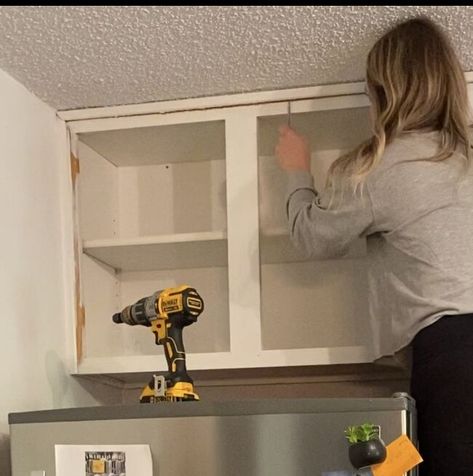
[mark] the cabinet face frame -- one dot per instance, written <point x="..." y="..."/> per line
<point x="114" y="364"/>
<point x="242" y="222"/>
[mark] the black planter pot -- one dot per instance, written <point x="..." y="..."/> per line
<point x="366" y="453"/>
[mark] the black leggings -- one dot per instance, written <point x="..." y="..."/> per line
<point x="442" y="385"/>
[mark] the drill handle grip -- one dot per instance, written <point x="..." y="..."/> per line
<point x="175" y="354"/>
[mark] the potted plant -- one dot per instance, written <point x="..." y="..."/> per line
<point x="366" y="447"/>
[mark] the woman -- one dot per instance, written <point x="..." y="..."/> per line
<point x="409" y="190"/>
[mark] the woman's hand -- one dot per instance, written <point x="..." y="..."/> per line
<point x="292" y="150"/>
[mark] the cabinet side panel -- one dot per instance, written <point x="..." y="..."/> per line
<point x="100" y="290"/>
<point x="98" y="204"/>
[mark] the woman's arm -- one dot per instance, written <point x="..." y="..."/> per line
<point x="316" y="229"/>
<point x="322" y="232"/>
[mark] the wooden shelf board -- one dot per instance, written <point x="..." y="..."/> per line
<point x="180" y="251"/>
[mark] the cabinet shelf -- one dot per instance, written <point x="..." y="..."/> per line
<point x="130" y="364"/>
<point x="179" y="251"/>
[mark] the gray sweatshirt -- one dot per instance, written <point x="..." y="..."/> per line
<point x="417" y="216"/>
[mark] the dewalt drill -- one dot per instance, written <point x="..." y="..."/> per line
<point x="167" y="312"/>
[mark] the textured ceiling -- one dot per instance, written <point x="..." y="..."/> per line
<point x="75" y="57"/>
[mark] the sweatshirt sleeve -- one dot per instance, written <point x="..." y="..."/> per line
<point x="323" y="232"/>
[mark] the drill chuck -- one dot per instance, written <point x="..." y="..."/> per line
<point x="141" y="313"/>
<point x="117" y="318"/>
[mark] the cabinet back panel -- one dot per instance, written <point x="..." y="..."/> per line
<point x="172" y="198"/>
<point x="308" y="304"/>
<point x="272" y="181"/>
<point x="105" y="293"/>
<point x="211" y="332"/>
<point x="328" y="129"/>
<point x="314" y="304"/>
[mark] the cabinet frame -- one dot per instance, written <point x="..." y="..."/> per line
<point x="240" y="113"/>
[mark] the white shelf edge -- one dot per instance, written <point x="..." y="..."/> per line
<point x="155" y="239"/>
<point x="229" y="360"/>
<point x="165" y="252"/>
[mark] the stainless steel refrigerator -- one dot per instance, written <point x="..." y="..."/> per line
<point x="284" y="437"/>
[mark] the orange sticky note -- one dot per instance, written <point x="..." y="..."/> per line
<point x="401" y="456"/>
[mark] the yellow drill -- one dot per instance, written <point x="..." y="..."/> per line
<point x="167" y="312"/>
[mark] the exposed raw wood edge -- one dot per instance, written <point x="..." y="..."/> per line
<point x="80" y="311"/>
<point x="211" y="102"/>
<point x="80" y="325"/>
<point x="75" y="168"/>
<point x="219" y="101"/>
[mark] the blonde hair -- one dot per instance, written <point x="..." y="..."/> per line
<point x="415" y="82"/>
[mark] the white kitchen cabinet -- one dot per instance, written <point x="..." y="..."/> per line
<point x="311" y="304"/>
<point x="196" y="197"/>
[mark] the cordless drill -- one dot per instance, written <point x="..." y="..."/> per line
<point x="167" y="312"/>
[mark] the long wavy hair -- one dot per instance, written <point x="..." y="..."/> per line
<point x="415" y="82"/>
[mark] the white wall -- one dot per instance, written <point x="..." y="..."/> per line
<point x="35" y="338"/>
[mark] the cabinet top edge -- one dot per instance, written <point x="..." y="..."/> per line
<point x="219" y="101"/>
<point x="210" y="102"/>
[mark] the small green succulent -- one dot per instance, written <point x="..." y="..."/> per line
<point x="365" y="432"/>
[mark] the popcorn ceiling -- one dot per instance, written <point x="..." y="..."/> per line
<point x="76" y="57"/>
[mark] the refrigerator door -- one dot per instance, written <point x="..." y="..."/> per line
<point x="285" y="437"/>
